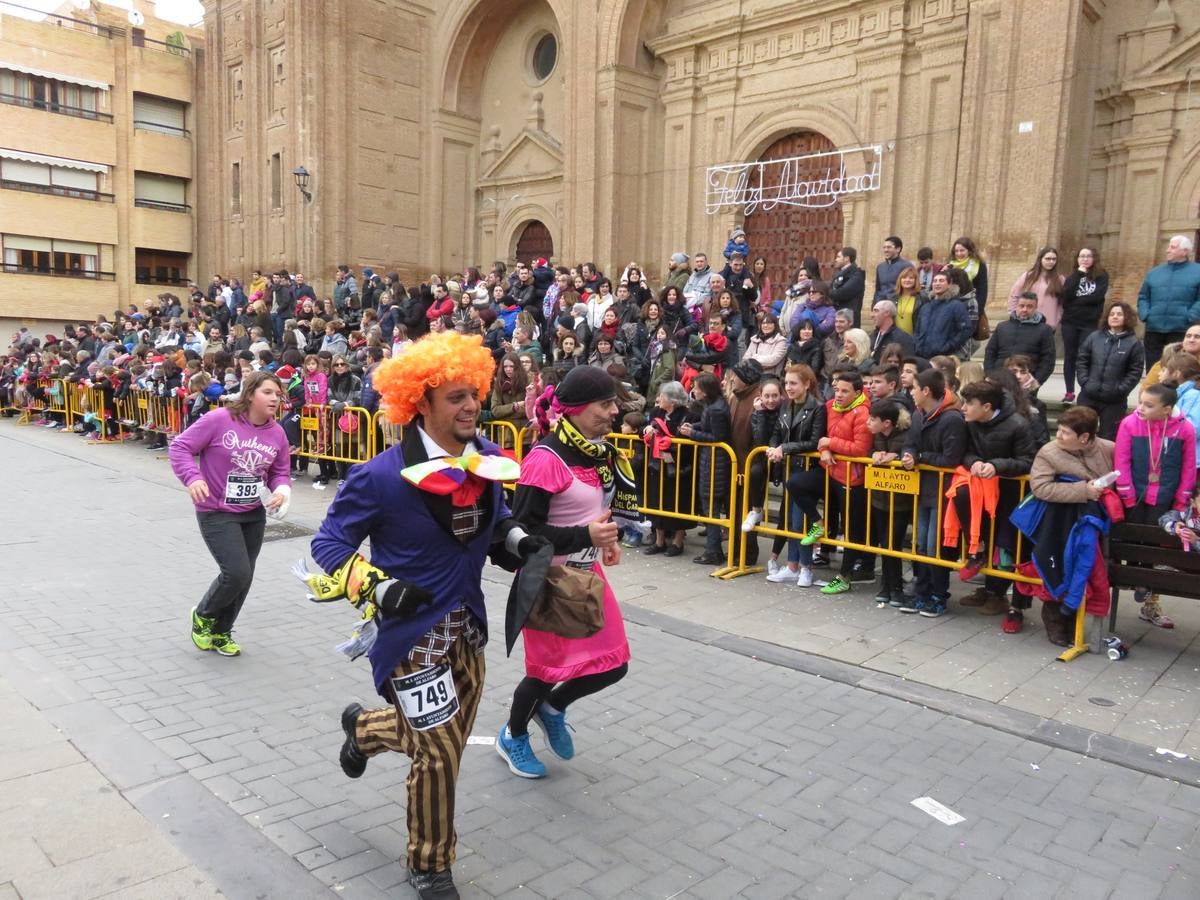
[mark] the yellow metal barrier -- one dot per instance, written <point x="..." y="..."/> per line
<point x="672" y="489"/>
<point x="345" y="436"/>
<point x="505" y="435"/>
<point x="32" y="399"/>
<point x="883" y="479"/>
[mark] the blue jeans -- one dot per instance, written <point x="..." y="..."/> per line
<point x="797" y="552"/>
<point x="932" y="581"/>
<point x="277" y="324"/>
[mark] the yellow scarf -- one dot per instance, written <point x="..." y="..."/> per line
<point x="854" y="404"/>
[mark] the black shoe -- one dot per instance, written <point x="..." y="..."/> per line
<point x="433" y="885"/>
<point x="654" y="549"/>
<point x="352" y="760"/>
<point x="883" y="598"/>
<point x="674" y="550"/>
<point x="861" y="576"/>
<point x="709" y="559"/>
<point x="820" y="561"/>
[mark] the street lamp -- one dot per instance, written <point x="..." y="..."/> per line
<point x="301" y="175"/>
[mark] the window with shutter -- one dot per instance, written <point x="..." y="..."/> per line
<point x="159" y="114"/>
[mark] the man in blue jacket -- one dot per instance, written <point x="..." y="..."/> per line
<point x="1169" y="300"/>
<point x="942" y="323"/>
<point x="431" y="528"/>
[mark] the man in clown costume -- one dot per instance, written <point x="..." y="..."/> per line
<point x="433" y="509"/>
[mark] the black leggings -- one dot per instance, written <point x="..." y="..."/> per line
<point x="532" y="692"/>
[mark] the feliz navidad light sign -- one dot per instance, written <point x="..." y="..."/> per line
<point x="812" y="181"/>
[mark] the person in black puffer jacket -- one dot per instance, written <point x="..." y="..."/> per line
<point x="999" y="445"/>
<point x="715" y="426"/>
<point x="1110" y="365"/>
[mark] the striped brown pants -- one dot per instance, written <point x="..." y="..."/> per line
<point x="435" y="756"/>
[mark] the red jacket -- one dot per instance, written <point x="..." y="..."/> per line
<point x="848" y="436"/>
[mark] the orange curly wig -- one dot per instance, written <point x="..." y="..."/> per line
<point x="434" y="360"/>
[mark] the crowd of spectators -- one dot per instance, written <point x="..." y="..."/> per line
<point x="714" y="354"/>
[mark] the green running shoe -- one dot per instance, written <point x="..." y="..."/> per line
<point x="202" y="631"/>
<point x="816" y="531"/>
<point x="838" y="585"/>
<point x="225" y="645"/>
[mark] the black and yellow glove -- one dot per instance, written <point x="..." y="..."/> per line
<point x="354" y="580"/>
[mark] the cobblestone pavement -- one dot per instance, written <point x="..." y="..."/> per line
<point x="706" y="773"/>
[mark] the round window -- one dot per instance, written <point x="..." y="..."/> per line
<point x="545" y="55"/>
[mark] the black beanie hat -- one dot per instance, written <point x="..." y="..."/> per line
<point x="584" y="385"/>
<point x="749" y="370"/>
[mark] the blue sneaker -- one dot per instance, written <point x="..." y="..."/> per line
<point x="933" y="608"/>
<point x="558" y="735"/>
<point x="519" y="755"/>
<point x="913" y="605"/>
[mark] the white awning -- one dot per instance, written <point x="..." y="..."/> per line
<point x="56" y="76"/>
<point x="59" y="161"/>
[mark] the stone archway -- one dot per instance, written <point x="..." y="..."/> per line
<point x="533" y="240"/>
<point x="785" y="235"/>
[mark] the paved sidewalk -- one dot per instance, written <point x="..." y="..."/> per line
<point x="706" y="773"/>
<point x="67" y="831"/>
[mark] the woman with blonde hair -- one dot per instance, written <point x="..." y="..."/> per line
<point x="908" y="293"/>
<point x="856" y="350"/>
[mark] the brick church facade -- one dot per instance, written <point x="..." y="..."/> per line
<point x="445" y="134"/>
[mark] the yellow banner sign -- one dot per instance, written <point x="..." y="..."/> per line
<point x="892" y="481"/>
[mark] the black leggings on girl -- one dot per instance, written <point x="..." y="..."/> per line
<point x="532" y="692"/>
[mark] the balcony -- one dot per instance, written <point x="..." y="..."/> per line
<point x="56" y="190"/>
<point x="166" y="154"/>
<point x="69" y="299"/>
<point x="161" y="225"/>
<point x="61" y="109"/>
<point x="70" y="218"/>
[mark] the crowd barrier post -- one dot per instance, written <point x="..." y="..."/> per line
<point x="32" y="404"/>
<point x="1079" y="644"/>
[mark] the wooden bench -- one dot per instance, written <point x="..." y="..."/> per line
<point x="1132" y="552"/>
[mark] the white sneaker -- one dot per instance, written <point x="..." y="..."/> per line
<point x="754" y="517"/>
<point x="645" y="529"/>
<point x="772" y="566"/>
<point x="806" y="577"/>
<point x="782" y="576"/>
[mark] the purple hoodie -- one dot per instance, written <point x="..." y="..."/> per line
<point x="234" y="457"/>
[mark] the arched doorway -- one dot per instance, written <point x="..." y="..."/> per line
<point x="534" y="241"/>
<point x="787" y="234"/>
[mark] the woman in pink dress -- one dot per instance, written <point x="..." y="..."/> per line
<point x="570" y="482"/>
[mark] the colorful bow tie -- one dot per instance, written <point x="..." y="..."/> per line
<point x="447" y="474"/>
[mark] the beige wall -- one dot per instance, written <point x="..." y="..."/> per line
<point x="430" y="145"/>
<point x="119" y="227"/>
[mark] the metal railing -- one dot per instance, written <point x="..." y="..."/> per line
<point x="140" y="40"/>
<point x="160" y="128"/>
<point x="56" y="190"/>
<point x="19" y="269"/>
<point x="55" y="107"/>
<point x="163" y="205"/>
<point x="49" y="18"/>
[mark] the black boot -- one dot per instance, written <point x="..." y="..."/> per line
<point x="433" y="885"/>
<point x="351" y="758"/>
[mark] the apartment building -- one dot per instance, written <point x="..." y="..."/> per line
<point x="97" y="161"/>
